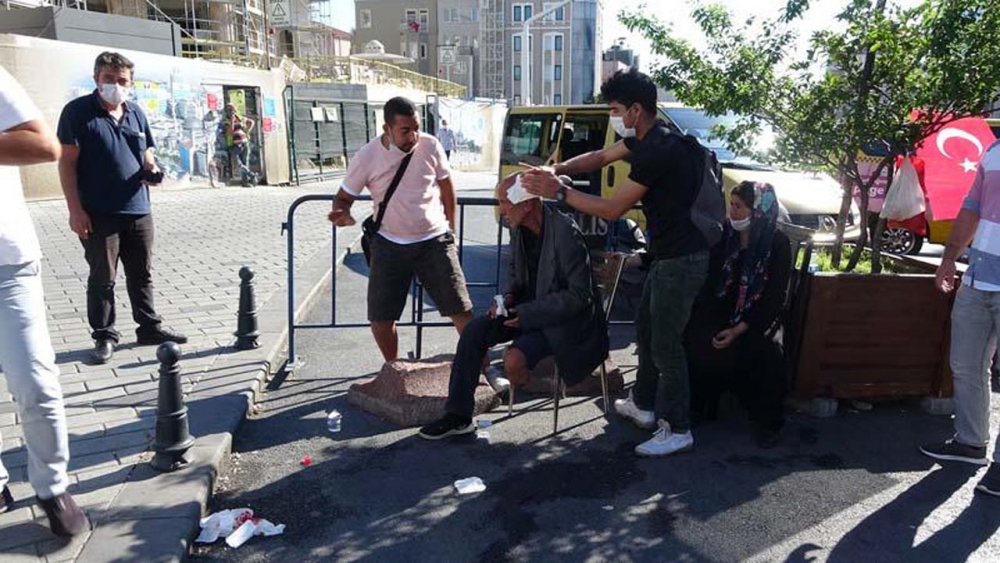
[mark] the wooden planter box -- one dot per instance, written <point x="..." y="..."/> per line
<point x="870" y="336"/>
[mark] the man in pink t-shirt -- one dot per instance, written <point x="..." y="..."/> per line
<point x="415" y="236"/>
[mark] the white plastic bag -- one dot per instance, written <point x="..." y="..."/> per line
<point x="905" y="199"/>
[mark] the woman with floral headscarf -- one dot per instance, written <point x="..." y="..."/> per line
<point x="733" y="340"/>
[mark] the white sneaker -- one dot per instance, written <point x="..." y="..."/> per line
<point x="628" y="409"/>
<point x="664" y="442"/>
<point x="494" y="376"/>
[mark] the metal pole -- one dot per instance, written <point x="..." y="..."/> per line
<point x="333" y="278"/>
<point x="343" y="130"/>
<point x="461" y="232"/>
<point x="499" y="244"/>
<point x="290" y="225"/>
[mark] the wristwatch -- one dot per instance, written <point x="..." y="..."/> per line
<point x="561" y="193"/>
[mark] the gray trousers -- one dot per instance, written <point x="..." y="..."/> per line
<point x="29" y="365"/>
<point x="975" y="321"/>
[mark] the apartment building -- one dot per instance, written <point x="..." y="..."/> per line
<point x="458" y="42"/>
<point x="563" y="51"/>
<point x="406" y="27"/>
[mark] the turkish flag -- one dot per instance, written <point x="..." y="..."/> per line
<point x="950" y="157"/>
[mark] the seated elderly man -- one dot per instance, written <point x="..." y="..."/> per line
<point x="551" y="308"/>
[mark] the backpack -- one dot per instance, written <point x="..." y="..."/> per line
<point x="708" y="212"/>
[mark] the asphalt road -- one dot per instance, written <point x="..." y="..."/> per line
<point x="848" y="488"/>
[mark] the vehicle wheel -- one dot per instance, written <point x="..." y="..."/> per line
<point x="901" y="241"/>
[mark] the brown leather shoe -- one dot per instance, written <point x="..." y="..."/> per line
<point x="65" y="517"/>
<point x="6" y="499"/>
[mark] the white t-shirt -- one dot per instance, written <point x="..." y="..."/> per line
<point x="18" y="243"/>
<point x="415" y="212"/>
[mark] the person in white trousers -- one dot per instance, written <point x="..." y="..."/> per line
<point x="27" y="359"/>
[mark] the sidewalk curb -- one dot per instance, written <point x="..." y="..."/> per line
<point x="155" y="516"/>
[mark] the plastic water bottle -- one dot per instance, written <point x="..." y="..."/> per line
<point x="333" y="422"/>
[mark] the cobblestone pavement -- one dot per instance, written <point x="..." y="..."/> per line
<point x="203" y="237"/>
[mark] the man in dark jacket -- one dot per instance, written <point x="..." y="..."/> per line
<point x="551" y="308"/>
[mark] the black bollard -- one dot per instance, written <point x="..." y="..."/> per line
<point x="246" y="320"/>
<point x="173" y="436"/>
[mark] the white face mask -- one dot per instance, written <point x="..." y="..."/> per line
<point x="740" y="224"/>
<point x="113" y="93"/>
<point x="398" y="151"/>
<point x="618" y="124"/>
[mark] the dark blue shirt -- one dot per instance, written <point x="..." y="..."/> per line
<point x="111" y="155"/>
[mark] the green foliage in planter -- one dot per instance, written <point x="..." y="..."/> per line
<point x="823" y="257"/>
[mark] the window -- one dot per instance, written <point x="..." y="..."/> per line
<point x="366" y="19"/>
<point x="558" y="72"/>
<point x="559" y="42"/>
<point x="517" y="13"/>
<point x="527" y="11"/>
<point x="446" y="16"/>
<point x="517" y="72"/>
<point x="557" y="100"/>
<point x="475" y="14"/>
<point x="411" y="16"/>
<point x="414" y="51"/>
<point x="517" y="100"/>
<point x="424" y="17"/>
<point x="423" y="50"/>
<point x="558" y="15"/>
<point x="517" y="43"/>
<point x="529" y="138"/>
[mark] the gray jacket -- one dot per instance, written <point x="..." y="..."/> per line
<point x="567" y="306"/>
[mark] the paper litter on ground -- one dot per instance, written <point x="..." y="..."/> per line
<point x="470" y="485"/>
<point x="237" y="526"/>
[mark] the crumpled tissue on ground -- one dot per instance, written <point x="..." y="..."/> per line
<point x="237" y="526"/>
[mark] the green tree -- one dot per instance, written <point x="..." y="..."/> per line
<point x="888" y="76"/>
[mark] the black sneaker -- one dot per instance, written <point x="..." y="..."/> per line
<point x="159" y="336"/>
<point x="65" y="517"/>
<point x="950" y="450"/>
<point x="450" y="425"/>
<point x="990" y="483"/>
<point x="6" y="499"/>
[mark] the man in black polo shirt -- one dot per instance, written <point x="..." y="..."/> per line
<point x="106" y="167"/>
<point x="666" y="176"/>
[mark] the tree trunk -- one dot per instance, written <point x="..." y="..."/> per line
<point x="877" y="242"/>
<point x="863" y="241"/>
<point x="877" y="248"/>
<point x="845" y="208"/>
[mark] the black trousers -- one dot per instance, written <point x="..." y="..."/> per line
<point x="128" y="238"/>
<point x="481" y="334"/>
<point x="753" y="368"/>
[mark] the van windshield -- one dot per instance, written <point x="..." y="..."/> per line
<point x="699" y="124"/>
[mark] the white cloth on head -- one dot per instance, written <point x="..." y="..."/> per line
<point x="517" y="194"/>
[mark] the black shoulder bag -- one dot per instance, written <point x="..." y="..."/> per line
<point x="371" y="225"/>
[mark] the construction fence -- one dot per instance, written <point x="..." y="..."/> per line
<point x="325" y="133"/>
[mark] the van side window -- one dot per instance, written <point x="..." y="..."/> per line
<point x="529" y="138"/>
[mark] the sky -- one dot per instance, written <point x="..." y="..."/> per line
<point x="677" y="12"/>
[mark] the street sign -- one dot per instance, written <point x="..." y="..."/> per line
<point x="446" y="54"/>
<point x="280" y="15"/>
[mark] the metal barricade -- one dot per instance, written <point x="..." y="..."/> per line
<point x="416" y="291"/>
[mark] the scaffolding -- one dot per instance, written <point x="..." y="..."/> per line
<point x="491" y="57"/>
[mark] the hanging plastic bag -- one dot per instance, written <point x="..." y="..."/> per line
<point x="905" y="199"/>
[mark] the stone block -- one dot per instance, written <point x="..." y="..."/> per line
<point x="541" y="381"/>
<point x="414" y="393"/>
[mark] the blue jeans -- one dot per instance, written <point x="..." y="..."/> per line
<point x="975" y="321"/>
<point x="661" y="383"/>
<point x="29" y="365"/>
